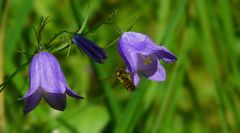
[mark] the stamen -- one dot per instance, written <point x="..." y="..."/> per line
<point x="147" y="61"/>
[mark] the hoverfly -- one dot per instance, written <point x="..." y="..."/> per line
<point x="124" y="78"/>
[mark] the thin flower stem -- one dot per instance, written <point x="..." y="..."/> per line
<point x="106" y="21"/>
<point x="109" y="45"/>
<point x="38" y="33"/>
<point x="60" y="48"/>
<point x="69" y="49"/>
<point x="84" y="22"/>
<point x="55" y="36"/>
<point x="4" y="84"/>
<point x="24" y="52"/>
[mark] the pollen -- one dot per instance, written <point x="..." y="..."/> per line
<point x="147" y="61"/>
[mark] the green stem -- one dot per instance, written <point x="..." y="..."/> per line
<point x="55" y="36"/>
<point x="129" y="114"/>
<point x="111" y="100"/>
<point x="4" y="84"/>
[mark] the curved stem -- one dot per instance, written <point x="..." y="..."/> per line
<point x="55" y="36"/>
<point x="60" y="48"/>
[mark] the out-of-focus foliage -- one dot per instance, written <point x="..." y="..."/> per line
<point x="202" y="89"/>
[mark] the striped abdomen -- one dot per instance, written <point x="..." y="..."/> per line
<point x="124" y="77"/>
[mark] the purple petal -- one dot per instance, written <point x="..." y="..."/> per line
<point x="31" y="101"/>
<point x="141" y="43"/>
<point x="134" y="76"/>
<point x="159" y="75"/>
<point x="68" y="89"/>
<point x="134" y="40"/>
<point x="164" y="54"/>
<point x="130" y="57"/>
<point x="73" y="94"/>
<point x="136" y="79"/>
<point x="55" y="100"/>
<point x="50" y="74"/>
<point x="125" y="57"/>
<point x="34" y="75"/>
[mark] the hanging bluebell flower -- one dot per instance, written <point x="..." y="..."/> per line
<point x="47" y="81"/>
<point x="96" y="53"/>
<point x="141" y="56"/>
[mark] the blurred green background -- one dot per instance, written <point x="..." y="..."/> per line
<point x="201" y="92"/>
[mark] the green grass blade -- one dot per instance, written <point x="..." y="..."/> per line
<point x="127" y="117"/>
<point x="113" y="105"/>
<point x="211" y="60"/>
<point x="176" y="82"/>
<point x="177" y="17"/>
<point x="228" y="33"/>
<point x="163" y="15"/>
<point x="225" y="34"/>
<point x="172" y="26"/>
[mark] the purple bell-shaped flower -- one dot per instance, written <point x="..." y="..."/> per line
<point x="47" y="81"/>
<point x="142" y="56"/>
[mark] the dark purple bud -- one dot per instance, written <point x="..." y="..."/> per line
<point x="96" y="53"/>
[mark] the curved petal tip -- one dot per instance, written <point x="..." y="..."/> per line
<point x="56" y="101"/>
<point x="31" y="101"/>
<point x="73" y="94"/>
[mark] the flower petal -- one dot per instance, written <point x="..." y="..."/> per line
<point x="160" y="74"/>
<point x="141" y="43"/>
<point x="164" y="54"/>
<point x="126" y="58"/>
<point x="73" y="94"/>
<point x="90" y="48"/>
<point x="31" y="101"/>
<point x="68" y="89"/>
<point x="51" y="73"/>
<point x="34" y="75"/>
<point x="55" y="100"/>
<point x="130" y="57"/>
<point x="136" y="79"/>
<point x="137" y="41"/>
